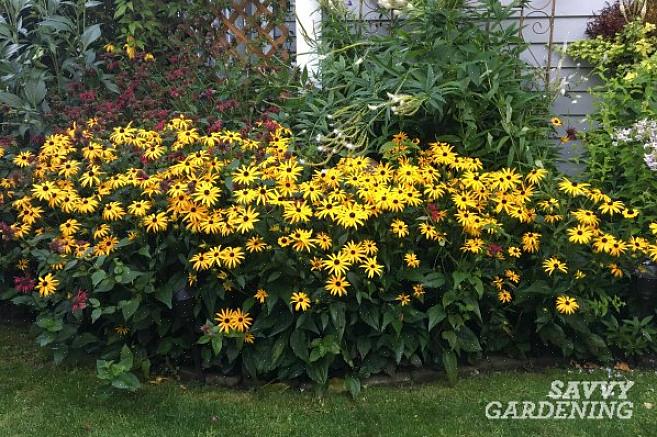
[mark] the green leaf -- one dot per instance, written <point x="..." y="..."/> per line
<point x="128" y="307"/>
<point x="35" y="92"/>
<point x="126" y="381"/>
<point x="352" y="384"/>
<point x="126" y="357"/>
<point x="449" y="363"/>
<point x="11" y="100"/>
<point x="89" y="36"/>
<point x="217" y="344"/>
<point x="337" y="311"/>
<point x="433" y="280"/>
<point x="436" y="315"/>
<point x="98" y="276"/>
<point x="105" y="285"/>
<point x="459" y="277"/>
<point x="467" y="340"/>
<point x="165" y="295"/>
<point x="95" y="314"/>
<point x="299" y="344"/>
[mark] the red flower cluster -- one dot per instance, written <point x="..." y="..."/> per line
<point x="80" y="300"/>
<point x="24" y="284"/>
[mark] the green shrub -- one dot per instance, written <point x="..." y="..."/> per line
<point x="445" y="71"/>
<point x="421" y="258"/>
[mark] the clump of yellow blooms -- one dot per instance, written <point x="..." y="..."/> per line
<point x="241" y="197"/>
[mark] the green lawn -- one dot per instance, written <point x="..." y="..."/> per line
<point x="37" y="399"/>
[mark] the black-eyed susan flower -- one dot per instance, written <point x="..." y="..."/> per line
<point x="261" y="295"/>
<point x="336" y="264"/>
<point x="300" y="301"/>
<point x="504" y="296"/>
<point x="556" y="122"/>
<point x="566" y="305"/>
<point x="106" y="245"/>
<point x="403" y="299"/>
<point x="411" y="259"/>
<point x="573" y="189"/>
<point x="399" y="228"/>
<point x="47" y="285"/>
<point x="157" y="222"/>
<point x="337" y="286"/>
<point x="553" y="264"/>
<point x="580" y="234"/>
<point x="372" y="267"/>
<point x="231" y="257"/>
<point x="531" y="241"/>
<point x="224" y="319"/>
<point x="241" y="321"/>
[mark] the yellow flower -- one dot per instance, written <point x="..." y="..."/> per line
<point x="232" y="257"/>
<point x="106" y="246"/>
<point x="553" y="264"/>
<point x="336" y="264"/>
<point x="297" y="212"/>
<point x="580" y="234"/>
<point x="473" y="245"/>
<point x="241" y="321"/>
<point x="337" y="286"/>
<point x="255" y="245"/>
<point x="611" y="207"/>
<point x="109" y="48"/>
<point x="23" y="159"/>
<point x="411" y="260"/>
<point x="300" y="300"/>
<point x="130" y="50"/>
<point x="630" y="213"/>
<point x="615" y="270"/>
<point x="122" y="330"/>
<point x="512" y="276"/>
<point x="573" y="188"/>
<point x="403" y="299"/>
<point x="113" y="211"/>
<point x="556" y="122"/>
<point x="418" y="291"/>
<point x="224" y="319"/>
<point x="514" y="252"/>
<point x="47" y="285"/>
<point x="604" y="243"/>
<point x="156" y="222"/>
<point x="148" y="57"/>
<point x="586" y="217"/>
<point x="504" y="296"/>
<point x="399" y="228"/>
<point x="567" y="305"/>
<point x="531" y="242"/>
<point x="372" y="267"/>
<point x="69" y="227"/>
<point x="200" y="261"/>
<point x="261" y="295"/>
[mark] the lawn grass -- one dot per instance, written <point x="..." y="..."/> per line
<point x="38" y="399"/>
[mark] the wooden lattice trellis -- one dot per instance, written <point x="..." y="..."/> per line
<point x="253" y="31"/>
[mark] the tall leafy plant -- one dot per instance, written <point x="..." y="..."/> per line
<point x="44" y="47"/>
<point x="444" y="72"/>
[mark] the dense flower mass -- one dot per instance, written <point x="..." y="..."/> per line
<point x="424" y="241"/>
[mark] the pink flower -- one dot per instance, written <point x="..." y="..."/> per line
<point x="79" y="301"/>
<point x="24" y="284"/>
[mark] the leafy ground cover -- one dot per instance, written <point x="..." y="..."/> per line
<point x="37" y="398"/>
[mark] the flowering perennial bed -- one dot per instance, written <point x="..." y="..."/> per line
<point x="415" y="259"/>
